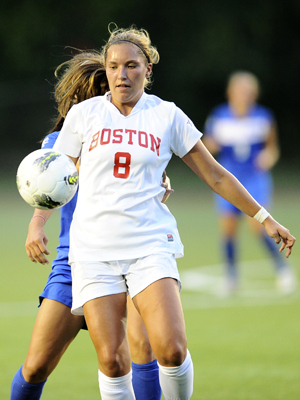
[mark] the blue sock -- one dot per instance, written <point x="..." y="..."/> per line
<point x="273" y="250"/>
<point x="22" y="390"/>
<point x="145" y="380"/>
<point x="230" y="256"/>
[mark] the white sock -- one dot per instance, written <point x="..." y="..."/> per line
<point x="116" y="388"/>
<point x="177" y="382"/>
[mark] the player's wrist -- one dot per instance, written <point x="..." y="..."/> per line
<point x="41" y="217"/>
<point x="261" y="215"/>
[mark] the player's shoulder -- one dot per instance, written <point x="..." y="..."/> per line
<point x="90" y="103"/>
<point x="221" y="111"/>
<point x="49" y="140"/>
<point x="80" y="112"/>
<point x="261" y="111"/>
<point x="154" y="101"/>
<point x="165" y="110"/>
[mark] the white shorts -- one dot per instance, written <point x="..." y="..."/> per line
<point x="91" y="280"/>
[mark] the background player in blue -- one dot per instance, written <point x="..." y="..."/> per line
<point x="56" y="327"/>
<point x="243" y="135"/>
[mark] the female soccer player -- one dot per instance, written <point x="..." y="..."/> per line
<point x="243" y="135"/>
<point x="121" y="237"/>
<point x="56" y="327"/>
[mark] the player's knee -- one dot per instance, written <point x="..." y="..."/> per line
<point x="35" y="372"/>
<point x="138" y="342"/>
<point x="140" y="350"/>
<point x="111" y="363"/>
<point x="172" y="354"/>
<point x="143" y="347"/>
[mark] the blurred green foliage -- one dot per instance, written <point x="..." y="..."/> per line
<point x="200" y="44"/>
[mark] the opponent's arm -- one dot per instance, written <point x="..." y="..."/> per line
<point x="166" y="183"/>
<point x="226" y="185"/>
<point x="269" y="156"/>
<point x="37" y="239"/>
<point x="75" y="161"/>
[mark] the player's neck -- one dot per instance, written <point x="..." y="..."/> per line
<point x="240" y="110"/>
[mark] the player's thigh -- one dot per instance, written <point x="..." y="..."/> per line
<point x="135" y="325"/>
<point x="228" y="223"/>
<point x="105" y="315"/>
<point x="160" y="307"/>
<point x="54" y="330"/>
<point x="106" y="320"/>
<point x="140" y="348"/>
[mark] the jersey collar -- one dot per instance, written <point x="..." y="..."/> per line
<point x="139" y="105"/>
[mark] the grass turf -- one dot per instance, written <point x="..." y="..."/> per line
<point x="243" y="348"/>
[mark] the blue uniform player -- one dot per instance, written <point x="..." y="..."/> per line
<point x="55" y="326"/>
<point x="243" y="135"/>
<point x="59" y="284"/>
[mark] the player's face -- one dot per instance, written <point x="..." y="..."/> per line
<point x="126" y="70"/>
<point x="242" y="91"/>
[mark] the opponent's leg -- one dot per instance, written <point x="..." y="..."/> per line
<point x="54" y="330"/>
<point x="145" y="377"/>
<point x="160" y="307"/>
<point x="22" y="390"/>
<point x="105" y="317"/>
<point x="228" y="226"/>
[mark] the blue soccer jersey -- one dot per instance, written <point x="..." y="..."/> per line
<point x="240" y="140"/>
<point x="59" y="284"/>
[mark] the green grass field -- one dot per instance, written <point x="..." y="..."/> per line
<point x="244" y="348"/>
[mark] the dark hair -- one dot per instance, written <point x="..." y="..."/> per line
<point x="80" y="78"/>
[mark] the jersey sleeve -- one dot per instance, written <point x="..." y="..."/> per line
<point x="69" y="141"/>
<point x="184" y="134"/>
<point x="269" y="115"/>
<point x="49" y="140"/>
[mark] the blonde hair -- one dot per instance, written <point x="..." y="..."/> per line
<point x="82" y="77"/>
<point x="245" y="75"/>
<point x="138" y="37"/>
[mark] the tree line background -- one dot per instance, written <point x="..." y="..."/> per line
<point x="200" y="43"/>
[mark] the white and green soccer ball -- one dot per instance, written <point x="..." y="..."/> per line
<point x="47" y="179"/>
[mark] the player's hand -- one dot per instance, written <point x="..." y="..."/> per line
<point x="265" y="159"/>
<point x="166" y="183"/>
<point x="280" y="233"/>
<point x="36" y="242"/>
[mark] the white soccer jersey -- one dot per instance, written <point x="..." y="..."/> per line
<point x="119" y="214"/>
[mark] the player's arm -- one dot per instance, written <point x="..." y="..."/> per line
<point x="166" y="183"/>
<point x="226" y="185"/>
<point x="269" y="156"/>
<point x="75" y="161"/>
<point x="37" y="239"/>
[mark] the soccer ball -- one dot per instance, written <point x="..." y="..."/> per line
<point x="47" y="179"/>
